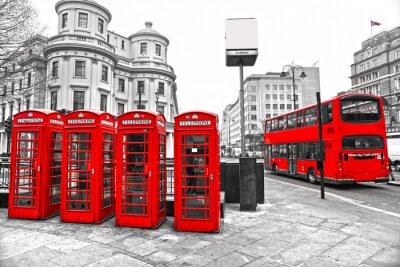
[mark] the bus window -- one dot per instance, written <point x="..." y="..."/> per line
<point x="310" y="150"/>
<point x="292" y="121"/>
<point x="274" y="125"/>
<point x="362" y="142"/>
<point x="360" y="109"/>
<point x="282" y="122"/>
<point x="275" y="151"/>
<point x="268" y="126"/>
<point x="310" y="116"/>
<point x="300" y="149"/>
<point x="300" y="118"/>
<point x="327" y="116"/>
<point x="282" y="151"/>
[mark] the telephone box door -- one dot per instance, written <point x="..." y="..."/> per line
<point x="26" y="171"/>
<point x="136" y="176"/>
<point x="79" y="174"/>
<point x="197" y="187"/>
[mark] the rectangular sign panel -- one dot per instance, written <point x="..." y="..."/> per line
<point x="30" y="120"/>
<point x="194" y="123"/>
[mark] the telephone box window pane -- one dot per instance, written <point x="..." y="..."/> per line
<point x="195" y="184"/>
<point x="55" y="167"/>
<point x="25" y="169"/>
<point x="79" y="174"/>
<point x="108" y="164"/>
<point x="135" y="177"/>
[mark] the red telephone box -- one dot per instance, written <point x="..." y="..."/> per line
<point x="196" y="168"/>
<point x="36" y="164"/>
<point x="141" y="170"/>
<point x="88" y="167"/>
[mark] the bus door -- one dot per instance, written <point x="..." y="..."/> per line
<point x="292" y="156"/>
<point x="267" y="157"/>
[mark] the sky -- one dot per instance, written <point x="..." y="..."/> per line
<point x="305" y="32"/>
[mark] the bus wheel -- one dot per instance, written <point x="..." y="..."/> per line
<point x="311" y="176"/>
<point x="275" y="169"/>
<point x="397" y="166"/>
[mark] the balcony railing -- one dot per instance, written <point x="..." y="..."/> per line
<point x="151" y="65"/>
<point x="73" y="38"/>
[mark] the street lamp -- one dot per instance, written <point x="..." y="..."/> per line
<point x="285" y="72"/>
<point x="157" y="93"/>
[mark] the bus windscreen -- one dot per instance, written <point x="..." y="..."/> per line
<point x="360" y="110"/>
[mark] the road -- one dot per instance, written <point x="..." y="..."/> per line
<point x="382" y="196"/>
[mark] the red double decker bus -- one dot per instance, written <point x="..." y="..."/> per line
<point x="354" y="137"/>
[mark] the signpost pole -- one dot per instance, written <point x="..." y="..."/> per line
<point x="321" y="147"/>
<point x="241" y="93"/>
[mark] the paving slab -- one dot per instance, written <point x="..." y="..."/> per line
<point x="119" y="260"/>
<point x="34" y="257"/>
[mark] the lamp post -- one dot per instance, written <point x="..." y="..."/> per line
<point x="157" y="93"/>
<point x="292" y="68"/>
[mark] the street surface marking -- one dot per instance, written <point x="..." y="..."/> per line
<point x="346" y="199"/>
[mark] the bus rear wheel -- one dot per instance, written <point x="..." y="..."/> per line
<point x="311" y="176"/>
<point x="397" y="166"/>
<point x="275" y="169"/>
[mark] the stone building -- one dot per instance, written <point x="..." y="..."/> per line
<point x="89" y="67"/>
<point x="376" y="70"/>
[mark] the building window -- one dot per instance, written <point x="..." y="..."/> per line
<point x="281" y="87"/>
<point x="121" y="85"/>
<point x="19" y="106"/>
<point x="274" y="96"/>
<point x="268" y="106"/>
<point x="29" y="79"/>
<point x="158" y="50"/>
<point x="267" y="116"/>
<point x="53" y="101"/>
<point x="12" y="88"/>
<point x="251" y="89"/>
<point x="28" y="104"/>
<point x="20" y="84"/>
<point x="101" y="25"/>
<point x="54" y="71"/>
<point x="13" y="67"/>
<point x="274" y="87"/>
<point x="11" y="110"/>
<point x="160" y="109"/>
<point x="121" y="109"/>
<point x="288" y="97"/>
<point x="267" y="87"/>
<point x="82" y="20"/>
<point x="282" y="106"/>
<point x="80" y="68"/>
<point x="143" y="48"/>
<point x="275" y="106"/>
<point x="161" y="89"/>
<point x="64" y="20"/>
<point x="253" y="107"/>
<point x="5" y="90"/>
<point x="253" y="98"/>
<point x="79" y="100"/>
<point x="103" y="102"/>
<point x="140" y="88"/>
<point x="123" y="44"/>
<point x="104" y="73"/>
<point x="253" y="117"/>
<point x="282" y="97"/>
<point x="141" y="106"/>
<point x="288" y="87"/>
<point x="289" y="106"/>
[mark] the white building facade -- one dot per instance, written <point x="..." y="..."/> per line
<point x="89" y="67"/>
<point x="266" y="96"/>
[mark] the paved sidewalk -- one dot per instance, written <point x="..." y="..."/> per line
<point x="295" y="227"/>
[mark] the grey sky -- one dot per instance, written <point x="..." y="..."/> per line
<point x="302" y="31"/>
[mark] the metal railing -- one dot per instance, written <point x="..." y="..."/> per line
<point x="4" y="172"/>
<point x="88" y="40"/>
<point x="170" y="178"/>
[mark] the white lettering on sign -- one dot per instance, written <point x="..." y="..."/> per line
<point x="81" y="121"/>
<point x="161" y="124"/>
<point x="194" y="123"/>
<point x="135" y="122"/>
<point x="109" y="123"/>
<point x="30" y="120"/>
<point x="56" y="122"/>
